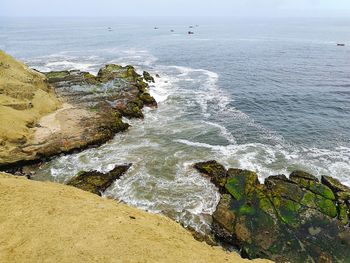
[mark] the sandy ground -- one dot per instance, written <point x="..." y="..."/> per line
<point x="64" y="121"/>
<point x="47" y="222"/>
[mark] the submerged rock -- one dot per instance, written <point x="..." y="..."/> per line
<point x="295" y="219"/>
<point x="97" y="182"/>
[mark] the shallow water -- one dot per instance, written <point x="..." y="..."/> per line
<point x="269" y="95"/>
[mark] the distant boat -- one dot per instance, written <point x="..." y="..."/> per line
<point x="155" y="27"/>
<point x="190" y="32"/>
<point x="172" y="30"/>
<point x="340" y="45"/>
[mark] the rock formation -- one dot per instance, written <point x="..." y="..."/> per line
<point x="96" y="182"/>
<point x="58" y="112"/>
<point x="295" y="219"/>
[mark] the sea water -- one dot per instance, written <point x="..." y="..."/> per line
<point x="269" y="95"/>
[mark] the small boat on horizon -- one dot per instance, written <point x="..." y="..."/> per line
<point x="190" y="32"/>
<point x="155" y="27"/>
<point x="341" y="45"/>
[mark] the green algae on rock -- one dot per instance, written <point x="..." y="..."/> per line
<point x="97" y="182"/>
<point x="295" y="219"/>
<point x="214" y="170"/>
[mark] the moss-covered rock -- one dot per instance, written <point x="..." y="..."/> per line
<point x="119" y="125"/>
<point x="148" y="77"/>
<point x="311" y="183"/>
<point x="147" y="99"/>
<point x="57" y="75"/>
<point x="284" y="219"/>
<point x="334" y="184"/>
<point x="97" y="182"/>
<point x="215" y="171"/>
<point x="130" y="110"/>
<point x="113" y="71"/>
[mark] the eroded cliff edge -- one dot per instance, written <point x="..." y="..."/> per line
<point x="44" y="114"/>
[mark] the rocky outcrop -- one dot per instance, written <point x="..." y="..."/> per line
<point x="115" y="87"/>
<point x="295" y="219"/>
<point x="148" y="77"/>
<point x="89" y="111"/>
<point x="96" y="182"/>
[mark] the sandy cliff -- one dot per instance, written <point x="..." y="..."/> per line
<point x="25" y="97"/>
<point x="50" y="222"/>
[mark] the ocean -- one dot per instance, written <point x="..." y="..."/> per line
<point x="269" y="95"/>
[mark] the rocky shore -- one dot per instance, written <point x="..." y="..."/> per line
<point x="294" y="219"/>
<point x="59" y="112"/>
<point x="51" y="113"/>
<point x="287" y="219"/>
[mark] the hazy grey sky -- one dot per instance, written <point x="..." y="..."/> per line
<point x="174" y="8"/>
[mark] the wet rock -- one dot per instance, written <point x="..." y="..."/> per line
<point x="334" y="184"/>
<point x="97" y="182"/>
<point x="148" y="100"/>
<point x="148" y="77"/>
<point x="215" y="171"/>
<point x="113" y="71"/>
<point x="92" y="111"/>
<point x="295" y="219"/>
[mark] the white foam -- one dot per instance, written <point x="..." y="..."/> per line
<point x="68" y="65"/>
<point x="162" y="147"/>
<point x="223" y="131"/>
<point x="160" y="90"/>
<point x="132" y="56"/>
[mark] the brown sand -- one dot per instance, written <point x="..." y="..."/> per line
<point x="47" y="222"/>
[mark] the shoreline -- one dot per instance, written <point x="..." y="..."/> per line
<point x="117" y="92"/>
<point x="85" y="117"/>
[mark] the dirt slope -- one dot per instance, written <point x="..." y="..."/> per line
<point x="47" y="222"/>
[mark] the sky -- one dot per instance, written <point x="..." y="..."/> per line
<point x="313" y="8"/>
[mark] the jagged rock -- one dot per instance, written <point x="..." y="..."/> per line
<point x="334" y="184"/>
<point x="97" y="182"/>
<point x="96" y="107"/>
<point x="295" y="219"/>
<point x="148" y="100"/>
<point x="148" y="77"/>
<point x="215" y="171"/>
<point x="113" y="71"/>
<point x="87" y="110"/>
